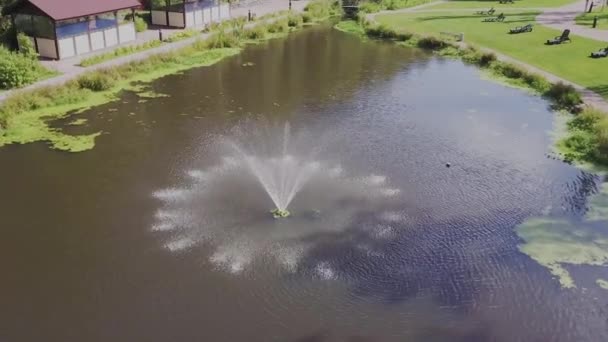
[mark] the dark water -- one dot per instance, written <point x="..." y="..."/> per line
<point x="80" y="261"/>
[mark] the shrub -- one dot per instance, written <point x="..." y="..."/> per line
<point x="256" y="33"/>
<point x="222" y="39"/>
<point x="306" y="17"/>
<point x="381" y="32"/>
<point x="431" y="43"/>
<point x="26" y="46"/>
<point x="278" y="26"/>
<point x="294" y="20"/>
<point x="140" y="24"/>
<point x="404" y="36"/>
<point x="486" y="58"/>
<point x="97" y="81"/>
<point x="511" y="70"/>
<point x="18" y="70"/>
<point x="321" y="9"/>
<point x="564" y="96"/>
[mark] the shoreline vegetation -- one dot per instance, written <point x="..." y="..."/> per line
<point x="26" y="115"/>
<point x="586" y="136"/>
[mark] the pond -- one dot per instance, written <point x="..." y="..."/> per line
<point x="161" y="233"/>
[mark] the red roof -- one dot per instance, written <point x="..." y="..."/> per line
<point x="68" y="9"/>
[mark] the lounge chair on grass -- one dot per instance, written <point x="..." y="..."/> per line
<point x="488" y="12"/>
<point x="501" y="17"/>
<point x="600" y="54"/>
<point x="565" y="37"/>
<point x="521" y="29"/>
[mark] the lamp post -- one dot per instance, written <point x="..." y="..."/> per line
<point x="290" y="5"/>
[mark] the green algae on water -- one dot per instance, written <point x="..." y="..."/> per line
<point x="554" y="243"/>
<point x="77" y="122"/>
<point x="602" y="283"/>
<point x="598" y="205"/>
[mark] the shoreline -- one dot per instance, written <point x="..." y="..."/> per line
<point x="25" y="115"/>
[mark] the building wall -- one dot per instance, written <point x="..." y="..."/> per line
<point x="84" y="43"/>
<point x="46" y="47"/>
<point x="208" y="15"/>
<point x="159" y="18"/>
<point x="176" y="19"/>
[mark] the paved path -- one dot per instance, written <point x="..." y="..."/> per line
<point x="70" y="69"/>
<point x="562" y="18"/>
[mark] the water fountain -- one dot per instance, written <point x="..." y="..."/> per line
<point x="228" y="204"/>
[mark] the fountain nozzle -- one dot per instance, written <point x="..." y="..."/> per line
<point x="278" y="213"/>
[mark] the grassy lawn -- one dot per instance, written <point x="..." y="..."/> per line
<point x="586" y="19"/>
<point x="455" y="4"/>
<point x="569" y="61"/>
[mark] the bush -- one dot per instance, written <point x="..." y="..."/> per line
<point x="306" y="17"/>
<point x="256" y="33"/>
<point x="96" y="81"/>
<point x="431" y="43"/>
<point x="381" y="32"/>
<point x="18" y="70"/>
<point x="511" y="70"/>
<point x="564" y="96"/>
<point x="26" y="46"/>
<point x="140" y="24"/>
<point x="321" y="9"/>
<point x="222" y="39"/>
<point x="294" y="20"/>
<point x="486" y="58"/>
<point x="278" y="26"/>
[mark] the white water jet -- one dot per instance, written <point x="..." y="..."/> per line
<point x="282" y="176"/>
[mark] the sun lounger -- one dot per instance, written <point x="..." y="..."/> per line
<point x="521" y="29"/>
<point x="501" y="17"/>
<point x="600" y="54"/>
<point x="565" y="37"/>
<point x="488" y="12"/>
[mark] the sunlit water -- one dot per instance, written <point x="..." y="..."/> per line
<point x="163" y="232"/>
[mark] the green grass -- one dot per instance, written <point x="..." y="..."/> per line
<point x="586" y="19"/>
<point x="461" y="4"/>
<point x="569" y="61"/>
<point x="382" y="5"/>
<point x="119" y="52"/>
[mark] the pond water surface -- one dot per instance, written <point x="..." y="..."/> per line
<point x="439" y="261"/>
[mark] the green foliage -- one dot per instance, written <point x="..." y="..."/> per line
<point x="26" y="46"/>
<point x="223" y="39"/>
<point x="256" y="33"/>
<point x="587" y="138"/>
<point x="306" y="18"/>
<point x="381" y="32"/>
<point x="564" y="96"/>
<point x="278" y="26"/>
<point x="140" y="24"/>
<point x="432" y="43"/>
<point x="18" y="70"/>
<point x="185" y="34"/>
<point x="121" y="51"/>
<point x="294" y="20"/>
<point x="323" y="9"/>
<point x="374" y="6"/>
<point x="96" y="81"/>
